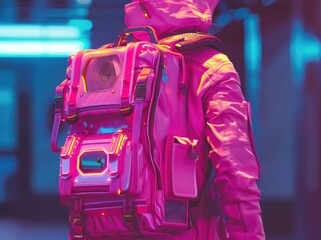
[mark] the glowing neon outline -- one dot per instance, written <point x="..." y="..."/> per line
<point x="120" y="142"/>
<point x="93" y="150"/>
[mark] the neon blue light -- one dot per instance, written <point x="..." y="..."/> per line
<point x="108" y="130"/>
<point x="31" y="40"/>
<point x="83" y="24"/>
<point x="8" y="105"/>
<point x="39" y="31"/>
<point x="252" y="54"/>
<point x="7" y="96"/>
<point x="304" y="47"/>
<point x="41" y="48"/>
<point x="253" y="60"/>
<point x="242" y="13"/>
<point x="223" y="20"/>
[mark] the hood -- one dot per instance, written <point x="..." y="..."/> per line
<point x="170" y="17"/>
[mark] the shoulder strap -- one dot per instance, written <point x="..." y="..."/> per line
<point x="189" y="41"/>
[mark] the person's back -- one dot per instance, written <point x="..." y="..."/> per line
<point x="218" y="114"/>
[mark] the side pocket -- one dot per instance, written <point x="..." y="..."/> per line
<point x="180" y="167"/>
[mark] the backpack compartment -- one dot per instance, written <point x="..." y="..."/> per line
<point x="180" y="168"/>
<point x="127" y="167"/>
<point x="99" y="80"/>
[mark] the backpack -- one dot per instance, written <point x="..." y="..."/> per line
<point x="128" y="166"/>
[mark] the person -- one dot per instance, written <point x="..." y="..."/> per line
<point x="217" y="113"/>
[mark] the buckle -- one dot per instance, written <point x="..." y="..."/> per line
<point x="77" y="228"/>
<point x="124" y="111"/>
<point x="128" y="217"/>
<point x="128" y="210"/>
<point x="72" y="119"/>
<point x="58" y="104"/>
<point x="140" y="91"/>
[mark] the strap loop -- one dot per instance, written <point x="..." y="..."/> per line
<point x="59" y="114"/>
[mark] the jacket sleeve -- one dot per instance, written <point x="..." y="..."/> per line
<point x="232" y="154"/>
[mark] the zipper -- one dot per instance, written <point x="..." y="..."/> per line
<point x="150" y="120"/>
<point x="142" y="6"/>
<point x="115" y="107"/>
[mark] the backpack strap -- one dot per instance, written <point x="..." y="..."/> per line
<point x="75" y="79"/>
<point x="59" y="114"/>
<point x="140" y="95"/>
<point x="76" y="219"/>
<point x="125" y="106"/>
<point x="189" y="41"/>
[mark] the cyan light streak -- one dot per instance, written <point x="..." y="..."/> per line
<point x="253" y="61"/>
<point x="34" y="40"/>
<point x="19" y="31"/>
<point x="81" y="24"/>
<point x="41" y="48"/>
<point x="304" y="47"/>
<point x="252" y="55"/>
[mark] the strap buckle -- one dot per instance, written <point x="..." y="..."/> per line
<point x="58" y="103"/>
<point x="140" y="91"/>
<point x="77" y="228"/>
<point x="128" y="215"/>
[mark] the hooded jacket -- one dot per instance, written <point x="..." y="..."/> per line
<point x="220" y="116"/>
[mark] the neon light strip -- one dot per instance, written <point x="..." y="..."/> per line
<point x="92" y="150"/>
<point x="300" y="56"/>
<point x="253" y="61"/>
<point x="252" y="54"/>
<point x="39" y="31"/>
<point x="34" y="40"/>
<point x="71" y="146"/>
<point x="41" y="48"/>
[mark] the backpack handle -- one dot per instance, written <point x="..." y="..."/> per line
<point x="129" y="31"/>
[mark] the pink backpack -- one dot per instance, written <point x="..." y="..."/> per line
<point x="127" y="168"/>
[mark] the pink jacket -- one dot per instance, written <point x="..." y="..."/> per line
<point x="218" y="114"/>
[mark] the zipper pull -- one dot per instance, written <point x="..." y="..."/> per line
<point x="194" y="153"/>
<point x="142" y="6"/>
<point x="164" y="74"/>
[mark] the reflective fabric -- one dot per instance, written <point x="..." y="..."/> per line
<point x="218" y="114"/>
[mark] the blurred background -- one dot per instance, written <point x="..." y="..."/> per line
<point x="275" y="46"/>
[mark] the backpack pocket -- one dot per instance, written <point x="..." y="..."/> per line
<point x="180" y="167"/>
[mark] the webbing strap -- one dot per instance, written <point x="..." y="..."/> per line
<point x="54" y="132"/>
<point x="75" y="79"/>
<point x="140" y="94"/>
<point x="125" y="107"/>
<point x="76" y="224"/>
<point x="59" y="105"/>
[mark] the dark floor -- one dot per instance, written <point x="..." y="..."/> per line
<point x="11" y="229"/>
